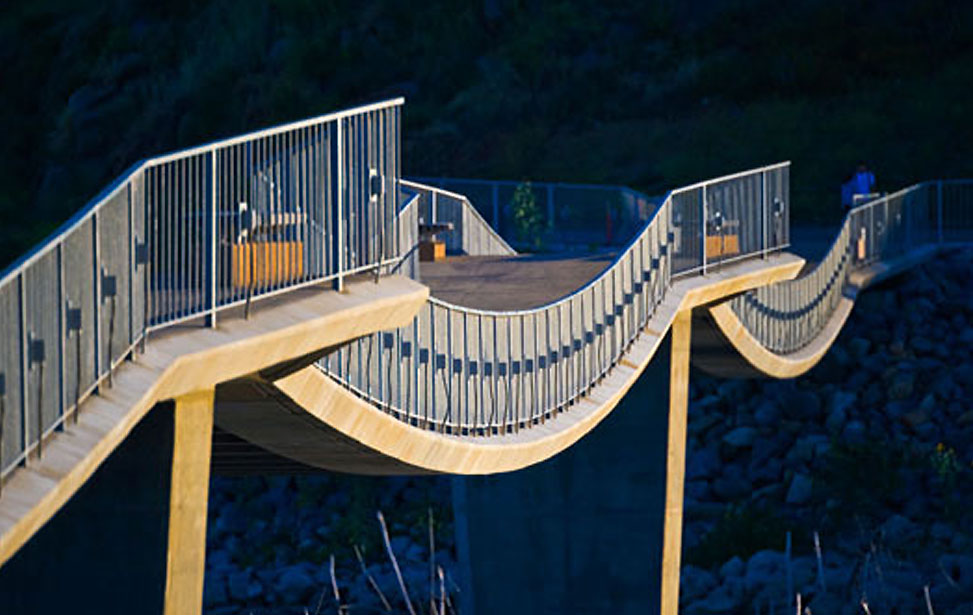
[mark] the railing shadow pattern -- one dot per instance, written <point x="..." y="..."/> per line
<point x="184" y="236"/>
<point x="787" y="316"/>
<point x="480" y="372"/>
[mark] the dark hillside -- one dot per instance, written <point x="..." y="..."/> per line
<point x="574" y="91"/>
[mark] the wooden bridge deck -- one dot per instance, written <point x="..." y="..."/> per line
<point x="510" y="282"/>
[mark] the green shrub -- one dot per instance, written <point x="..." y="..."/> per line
<point x="742" y="531"/>
<point x="527" y="217"/>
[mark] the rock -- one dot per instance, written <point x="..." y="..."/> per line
<point x="897" y="347"/>
<point x="836" y="420"/>
<point x="854" y="432"/>
<point x="238" y="585"/>
<point x="959" y="568"/>
<point x="764" y="568"/>
<point x="858" y="347"/>
<point x="731" y="488"/>
<point x="873" y="395"/>
<point x="720" y="601"/>
<point x="826" y="603"/>
<point x="232" y="520"/>
<point x="802" y="405"/>
<point x="214" y="591"/>
<point x="901" y="385"/>
<point x="218" y="559"/>
<point x="915" y="418"/>
<point x="928" y="404"/>
<point x="697" y="489"/>
<point x="941" y="531"/>
<point x="293" y="584"/>
<point x="695" y="582"/>
<point x="964" y="374"/>
<point x="733" y="568"/>
<point x="800" y="489"/>
<point x="842" y="400"/>
<point x="766" y="471"/>
<point x="899" y="530"/>
<point x="741" y="437"/>
<point x="767" y="414"/>
<point x="704" y="463"/>
<point x="734" y="390"/>
<point x="921" y="344"/>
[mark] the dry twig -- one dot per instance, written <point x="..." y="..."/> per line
<point x="395" y="563"/>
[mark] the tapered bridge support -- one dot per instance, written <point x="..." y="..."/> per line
<point x="598" y="528"/>
<point x="675" y="461"/>
<point x="186" y="557"/>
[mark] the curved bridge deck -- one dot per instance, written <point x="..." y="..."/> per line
<point x="514" y="360"/>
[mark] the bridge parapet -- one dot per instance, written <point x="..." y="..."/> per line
<point x="183" y="236"/>
<point x="479" y="372"/>
<point x="787" y="316"/>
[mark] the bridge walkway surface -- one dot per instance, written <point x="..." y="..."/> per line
<point x="133" y="326"/>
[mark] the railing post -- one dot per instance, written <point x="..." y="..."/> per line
<point x="62" y="392"/>
<point x="212" y="239"/>
<point x="939" y="211"/>
<point x="24" y="363"/>
<point x="96" y="276"/>
<point x="764" y="214"/>
<point x="339" y="207"/>
<point x="702" y="226"/>
<point x="550" y="206"/>
<point x="495" y="190"/>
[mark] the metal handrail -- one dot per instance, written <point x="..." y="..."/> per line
<point x="457" y="207"/>
<point x="556" y="197"/>
<point x="787" y="316"/>
<point x="456" y="368"/>
<point x="172" y="240"/>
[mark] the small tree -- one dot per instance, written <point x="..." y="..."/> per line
<point x="527" y="218"/>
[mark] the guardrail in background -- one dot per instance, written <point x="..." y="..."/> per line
<point x="471" y="234"/>
<point x="482" y="372"/>
<point x="574" y="214"/>
<point x="183" y="236"/>
<point x="787" y="316"/>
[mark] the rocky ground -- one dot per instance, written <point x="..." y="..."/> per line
<point x="872" y="450"/>
<point x="270" y="542"/>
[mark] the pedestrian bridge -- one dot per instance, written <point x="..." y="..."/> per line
<point x="270" y="285"/>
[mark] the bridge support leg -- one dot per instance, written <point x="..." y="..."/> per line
<point x="598" y="527"/>
<point x="186" y="560"/>
<point x="675" y="461"/>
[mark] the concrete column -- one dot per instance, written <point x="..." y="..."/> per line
<point x="675" y="461"/>
<point x="596" y="529"/>
<point x="189" y="493"/>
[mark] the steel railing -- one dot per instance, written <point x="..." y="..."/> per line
<point x="481" y="372"/>
<point x="573" y="214"/>
<point x="787" y="316"/>
<point x="184" y="236"/>
<point x="470" y="233"/>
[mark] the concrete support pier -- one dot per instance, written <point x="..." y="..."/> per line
<point x="598" y="528"/>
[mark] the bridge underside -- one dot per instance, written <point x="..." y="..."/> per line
<point x="723" y="347"/>
<point x="308" y="417"/>
<point x="282" y="334"/>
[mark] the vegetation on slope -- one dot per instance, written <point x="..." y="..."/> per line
<point x="651" y="96"/>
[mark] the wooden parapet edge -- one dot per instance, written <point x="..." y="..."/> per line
<point x="335" y="409"/>
<point x="184" y="360"/>
<point x="791" y="365"/>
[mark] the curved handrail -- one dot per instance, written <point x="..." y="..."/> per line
<point x="467" y="370"/>
<point x="183" y="236"/>
<point x="787" y="316"/>
<point x="468" y="237"/>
